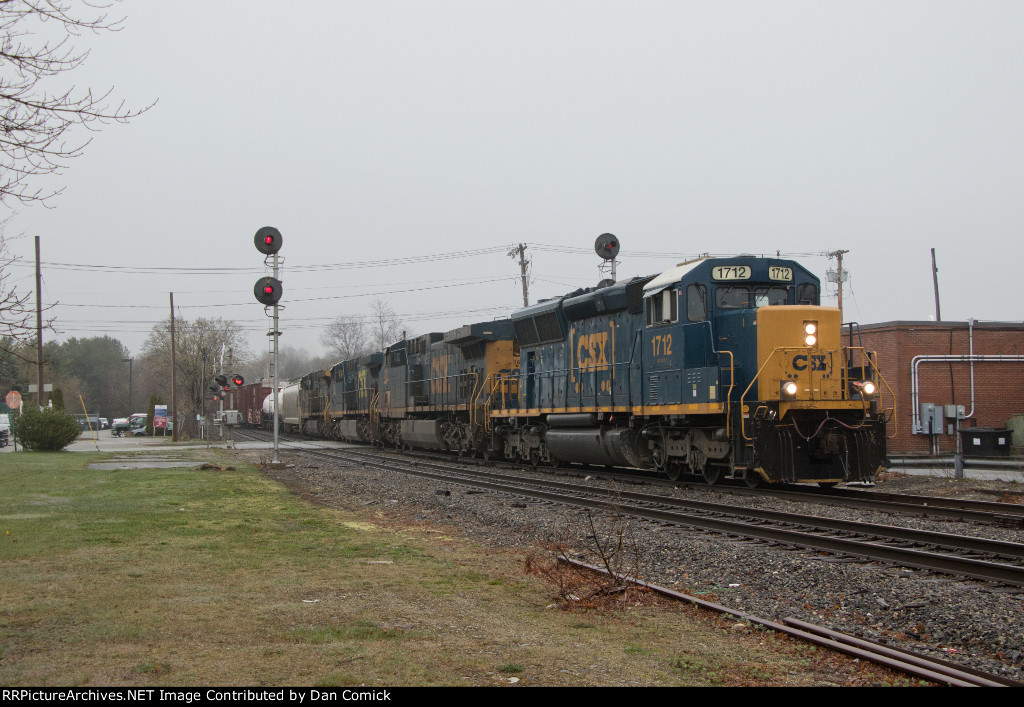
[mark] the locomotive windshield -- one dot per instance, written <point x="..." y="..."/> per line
<point x="750" y="297"/>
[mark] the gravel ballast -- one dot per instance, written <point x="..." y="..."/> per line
<point x="959" y="620"/>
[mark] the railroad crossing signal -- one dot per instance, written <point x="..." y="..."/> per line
<point x="237" y="381"/>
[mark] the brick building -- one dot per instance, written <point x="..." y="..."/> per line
<point x="931" y="362"/>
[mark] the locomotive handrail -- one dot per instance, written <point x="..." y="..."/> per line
<point x="874" y="366"/>
<point x="844" y="382"/>
<point x="474" y="394"/>
<point x="375" y="415"/>
<point x="728" y="395"/>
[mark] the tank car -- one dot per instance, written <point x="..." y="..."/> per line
<point x="288" y="408"/>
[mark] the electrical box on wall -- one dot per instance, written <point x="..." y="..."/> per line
<point x="931" y="419"/>
<point x="955" y="412"/>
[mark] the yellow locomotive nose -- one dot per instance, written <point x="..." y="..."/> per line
<point x="797" y="353"/>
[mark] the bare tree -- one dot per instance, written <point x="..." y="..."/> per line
<point x="347" y="337"/>
<point x="198" y="350"/>
<point x="36" y="49"/>
<point x="17" y="310"/>
<point x="385" y="327"/>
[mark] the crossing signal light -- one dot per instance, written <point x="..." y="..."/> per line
<point x="237" y="381"/>
<point x="268" y="290"/>
<point x="222" y="381"/>
<point x="268" y="240"/>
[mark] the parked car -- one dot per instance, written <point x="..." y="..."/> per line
<point x="137" y="424"/>
<point x="5" y="429"/>
<point x="120" y="427"/>
<point x="104" y="424"/>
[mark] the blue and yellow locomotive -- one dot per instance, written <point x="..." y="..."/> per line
<point x="718" y="367"/>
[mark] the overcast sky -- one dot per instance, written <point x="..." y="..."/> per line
<point x="377" y="131"/>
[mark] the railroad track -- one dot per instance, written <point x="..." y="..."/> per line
<point x="666" y="512"/>
<point x="934" y="507"/>
<point x="939" y="671"/>
<point x="957" y="509"/>
<point x="948" y="553"/>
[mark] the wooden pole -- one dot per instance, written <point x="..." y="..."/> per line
<point x="39" y="327"/>
<point x="174" y="386"/>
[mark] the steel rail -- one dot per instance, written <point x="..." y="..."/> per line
<point x="908" y="557"/>
<point x="942" y="672"/>
<point x="955" y="541"/>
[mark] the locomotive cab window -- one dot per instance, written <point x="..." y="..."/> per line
<point x="697" y="303"/>
<point x="807" y="294"/>
<point x="663" y="307"/>
<point x="750" y="297"/>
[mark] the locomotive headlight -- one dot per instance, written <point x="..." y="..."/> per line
<point x="865" y="388"/>
<point x="789" y="390"/>
<point x="810" y="333"/>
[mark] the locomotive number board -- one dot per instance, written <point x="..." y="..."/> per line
<point x="731" y="272"/>
<point x="742" y="272"/>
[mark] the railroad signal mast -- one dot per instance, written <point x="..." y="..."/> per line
<point x="268" y="292"/>
<point x="607" y="247"/>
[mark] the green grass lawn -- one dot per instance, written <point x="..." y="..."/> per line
<point x="223" y="577"/>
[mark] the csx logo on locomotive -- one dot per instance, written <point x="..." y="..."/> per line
<point x="591" y="352"/>
<point x="817" y="362"/>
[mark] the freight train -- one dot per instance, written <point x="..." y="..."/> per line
<point x="718" y="368"/>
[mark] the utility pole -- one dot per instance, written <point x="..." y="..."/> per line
<point x="840" y="276"/>
<point x="520" y="250"/>
<point x="174" y="386"/>
<point x="39" y="327"/>
<point x="935" y="280"/>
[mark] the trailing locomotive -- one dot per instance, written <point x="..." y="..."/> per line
<point x="718" y="367"/>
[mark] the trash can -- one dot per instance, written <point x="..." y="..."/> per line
<point x="985" y="441"/>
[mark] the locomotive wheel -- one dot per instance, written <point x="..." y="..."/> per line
<point x="534" y="459"/>
<point x="753" y="479"/>
<point x="712" y="474"/>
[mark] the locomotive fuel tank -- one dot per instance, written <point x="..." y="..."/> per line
<point x="599" y="445"/>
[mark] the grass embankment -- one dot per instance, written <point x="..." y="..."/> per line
<point x="204" y="577"/>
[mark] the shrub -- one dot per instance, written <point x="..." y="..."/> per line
<point x="46" y="430"/>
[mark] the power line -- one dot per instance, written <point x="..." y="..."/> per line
<point x="313" y="267"/>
